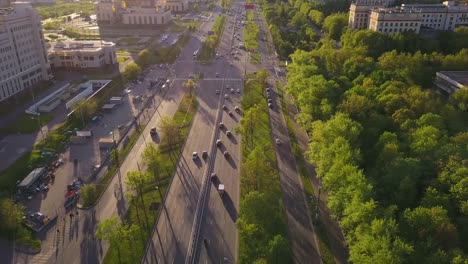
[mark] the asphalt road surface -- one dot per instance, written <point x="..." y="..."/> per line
<point x="302" y="237"/>
<point x="175" y="228"/>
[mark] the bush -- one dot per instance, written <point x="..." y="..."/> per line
<point x="89" y="194"/>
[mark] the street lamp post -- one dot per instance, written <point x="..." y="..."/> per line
<point x="318" y="199"/>
<point x="116" y="156"/>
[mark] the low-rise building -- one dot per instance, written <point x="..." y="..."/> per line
<point x="394" y="20"/>
<point x="449" y="82"/>
<point x="82" y="54"/>
<point x="146" y="15"/>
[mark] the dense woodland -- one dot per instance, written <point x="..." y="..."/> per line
<point x="391" y="152"/>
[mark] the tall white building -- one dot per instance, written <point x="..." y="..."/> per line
<point x="23" y="56"/>
<point x="82" y="54"/>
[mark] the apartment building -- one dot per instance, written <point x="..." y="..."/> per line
<point x="394" y="20"/>
<point x="82" y="54"/>
<point x="359" y="12"/>
<point x="377" y="16"/>
<point x="146" y="15"/>
<point x="23" y="56"/>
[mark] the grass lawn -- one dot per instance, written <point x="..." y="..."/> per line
<point x="182" y="25"/>
<point x="135" y="214"/>
<point x="26" y="124"/>
<point x="129" y="40"/>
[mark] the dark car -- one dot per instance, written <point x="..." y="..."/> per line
<point x="205" y="154"/>
<point x="214" y="178"/>
<point x="153" y="131"/>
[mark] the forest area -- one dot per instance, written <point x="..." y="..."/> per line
<point x="391" y="152"/>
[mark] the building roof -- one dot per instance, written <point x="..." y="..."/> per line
<point x="79" y="45"/>
<point x="31" y="178"/>
<point x="458" y="77"/>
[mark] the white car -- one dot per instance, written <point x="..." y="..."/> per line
<point x="232" y="91"/>
<point x="278" y="141"/>
<point x="194" y="155"/>
<point x="226" y="96"/>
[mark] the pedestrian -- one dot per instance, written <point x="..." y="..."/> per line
<point x="76" y="213"/>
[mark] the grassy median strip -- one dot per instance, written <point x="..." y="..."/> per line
<point x="325" y="250"/>
<point x="261" y="223"/>
<point x="208" y="49"/>
<point x="251" y="33"/>
<point x="128" y="242"/>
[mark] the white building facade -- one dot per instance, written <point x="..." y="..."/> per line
<point x="82" y="54"/>
<point x="394" y="20"/>
<point x="359" y="12"/>
<point x="23" y="56"/>
<point x="107" y="11"/>
<point x="146" y="15"/>
<point x="445" y="16"/>
<point x="373" y="15"/>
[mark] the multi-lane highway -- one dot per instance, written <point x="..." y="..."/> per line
<point x="177" y="231"/>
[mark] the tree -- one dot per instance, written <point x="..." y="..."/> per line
<point x="153" y="161"/>
<point x="144" y="58"/>
<point x="132" y="71"/>
<point x="335" y="25"/>
<point x="378" y="242"/>
<point x="279" y="250"/>
<point x="316" y="17"/>
<point x="249" y="121"/>
<point x="89" y="193"/>
<point x="110" y="230"/>
<point x="431" y="226"/>
<point x="137" y="180"/>
<point x="170" y="130"/>
<point x="84" y="110"/>
<point x="11" y="215"/>
<point x="190" y="84"/>
<point x="262" y="76"/>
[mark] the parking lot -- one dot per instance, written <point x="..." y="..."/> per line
<point x="79" y="161"/>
